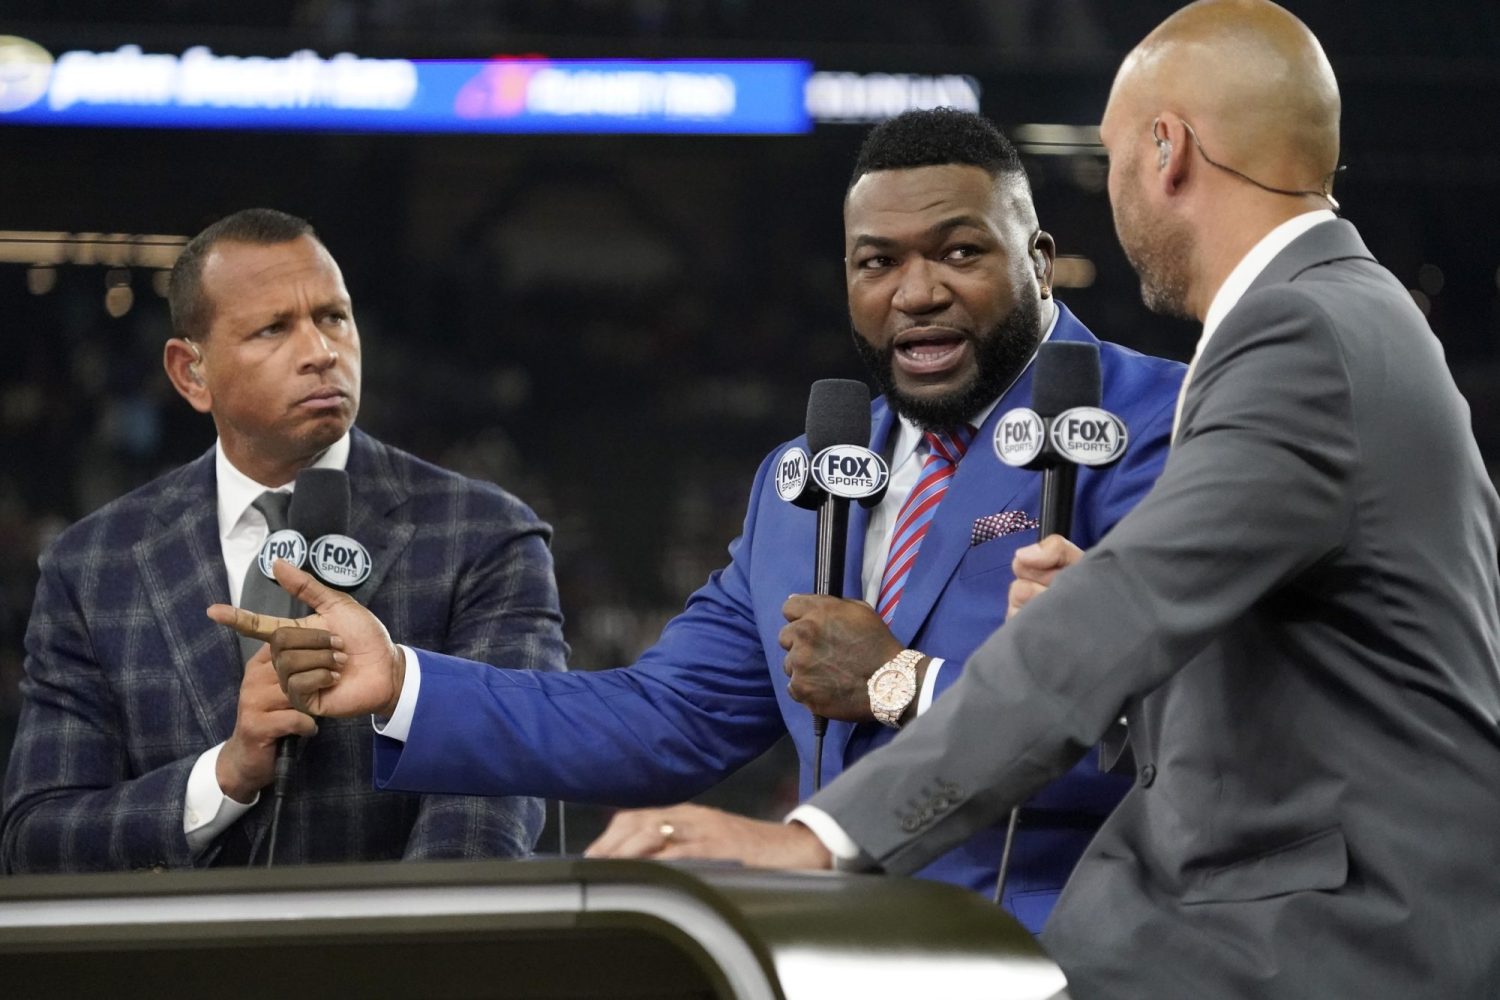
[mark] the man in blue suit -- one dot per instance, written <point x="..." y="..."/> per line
<point x="146" y="739"/>
<point x="950" y="292"/>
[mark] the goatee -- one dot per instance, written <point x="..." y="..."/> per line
<point x="999" y="355"/>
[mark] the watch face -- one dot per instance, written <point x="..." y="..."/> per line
<point x="893" y="687"/>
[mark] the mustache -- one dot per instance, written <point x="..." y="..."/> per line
<point x="1000" y="354"/>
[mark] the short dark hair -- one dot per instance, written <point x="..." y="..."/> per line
<point x="937" y="137"/>
<point x="191" y="310"/>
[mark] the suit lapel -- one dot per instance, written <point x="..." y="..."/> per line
<point x="182" y="571"/>
<point x="859" y="515"/>
<point x="839" y="733"/>
<point x="374" y="492"/>
<point x="981" y="485"/>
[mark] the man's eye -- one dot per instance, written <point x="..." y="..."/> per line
<point x="873" y="263"/>
<point x="962" y="252"/>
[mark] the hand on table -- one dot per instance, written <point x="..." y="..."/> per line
<point x="689" y="831"/>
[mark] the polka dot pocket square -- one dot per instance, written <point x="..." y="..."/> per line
<point x="1006" y="522"/>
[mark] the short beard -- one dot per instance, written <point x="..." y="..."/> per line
<point x="1000" y="355"/>
<point x="1164" y="280"/>
<point x="1158" y="250"/>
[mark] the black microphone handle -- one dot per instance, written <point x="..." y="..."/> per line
<point x="1059" y="487"/>
<point x="828" y="578"/>
<point x="833" y="540"/>
<point x="287" y="750"/>
<point x="320" y="506"/>
<point x="287" y="746"/>
<point x="286" y="753"/>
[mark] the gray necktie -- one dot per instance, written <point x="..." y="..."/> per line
<point x="260" y="592"/>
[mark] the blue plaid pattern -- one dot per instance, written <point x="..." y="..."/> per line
<point x="127" y="681"/>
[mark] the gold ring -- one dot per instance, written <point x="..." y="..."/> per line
<point x="667" y="831"/>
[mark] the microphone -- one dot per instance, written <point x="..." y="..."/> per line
<point x="320" y="503"/>
<point x="1067" y="376"/>
<point x="838" y="413"/>
<point x="332" y="556"/>
<point x="841" y="468"/>
<point x="319" y="510"/>
<point x="1065" y="429"/>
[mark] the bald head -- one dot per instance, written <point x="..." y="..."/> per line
<point x="1253" y="82"/>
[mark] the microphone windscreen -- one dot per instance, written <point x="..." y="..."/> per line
<point x="320" y="503"/>
<point x="838" y="412"/>
<point x="1067" y="375"/>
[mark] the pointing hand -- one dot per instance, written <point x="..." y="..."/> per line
<point x="337" y="661"/>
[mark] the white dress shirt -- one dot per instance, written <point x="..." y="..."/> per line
<point x="207" y="811"/>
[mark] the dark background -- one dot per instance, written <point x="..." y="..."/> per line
<point x="618" y="328"/>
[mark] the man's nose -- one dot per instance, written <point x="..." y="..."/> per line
<point x="921" y="288"/>
<point x="316" y="352"/>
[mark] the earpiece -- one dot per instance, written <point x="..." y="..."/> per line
<point x="1163" y="146"/>
<point x="193" y="371"/>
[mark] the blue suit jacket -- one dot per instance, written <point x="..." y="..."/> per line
<point x="127" y="681"/>
<point x="711" y="694"/>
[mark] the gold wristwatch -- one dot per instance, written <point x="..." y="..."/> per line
<point x="893" y="687"/>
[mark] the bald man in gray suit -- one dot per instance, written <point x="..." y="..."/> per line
<point x="1300" y="620"/>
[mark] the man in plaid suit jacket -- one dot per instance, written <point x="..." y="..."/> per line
<point x="143" y="733"/>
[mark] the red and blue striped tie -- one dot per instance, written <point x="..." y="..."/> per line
<point x="944" y="449"/>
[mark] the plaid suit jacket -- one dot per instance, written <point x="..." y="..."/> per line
<point x="127" y="682"/>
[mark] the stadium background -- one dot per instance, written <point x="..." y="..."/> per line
<point x="617" y="328"/>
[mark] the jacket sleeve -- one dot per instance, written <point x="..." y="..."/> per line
<point x="69" y="803"/>
<point x="505" y="613"/>
<point x="695" y="707"/>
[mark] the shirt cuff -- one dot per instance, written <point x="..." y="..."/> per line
<point x="929" y="684"/>
<point x="398" y="726"/>
<point x="206" y="810"/>
<point x="847" y="857"/>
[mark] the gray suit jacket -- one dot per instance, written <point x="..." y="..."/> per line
<point x="127" y="681"/>
<point x="1301" y="618"/>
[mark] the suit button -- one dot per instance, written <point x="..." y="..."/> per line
<point x="910" y="824"/>
<point x="1148" y="775"/>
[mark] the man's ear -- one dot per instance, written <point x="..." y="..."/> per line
<point x="1170" y="135"/>
<point x="183" y="361"/>
<point x="1043" y="252"/>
